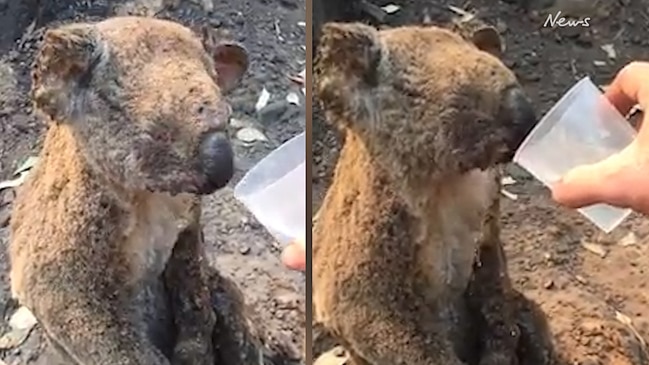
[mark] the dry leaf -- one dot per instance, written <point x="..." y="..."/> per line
<point x="335" y="356"/>
<point x="13" y="338"/>
<point x="508" y="180"/>
<point x="625" y="320"/>
<point x="458" y="11"/>
<point x="27" y="165"/>
<point x="15" y="182"/>
<point x="610" y="51"/>
<point x="263" y="100"/>
<point x="22" y="319"/>
<point x="509" y="195"/>
<point x="391" y="8"/>
<point x="465" y="15"/>
<point x="595" y="248"/>
<point x="293" y="98"/>
<point x="629" y="240"/>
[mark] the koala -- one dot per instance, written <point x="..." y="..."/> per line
<point x="408" y="266"/>
<point x="106" y="247"/>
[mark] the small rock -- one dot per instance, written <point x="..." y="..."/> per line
<point x="244" y="250"/>
<point x="549" y="284"/>
<point x="238" y="123"/>
<point x="250" y="135"/>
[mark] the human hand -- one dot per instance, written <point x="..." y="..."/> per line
<point x="294" y="255"/>
<point x="621" y="180"/>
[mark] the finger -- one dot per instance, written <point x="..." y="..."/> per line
<point x="294" y="257"/>
<point x="300" y="242"/>
<point x="578" y="188"/>
<point x="629" y="87"/>
<point x="602" y="182"/>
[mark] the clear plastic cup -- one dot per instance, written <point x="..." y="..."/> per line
<point x="581" y="128"/>
<point x="274" y="191"/>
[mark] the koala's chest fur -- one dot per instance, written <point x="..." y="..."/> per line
<point x="153" y="227"/>
<point x="451" y="228"/>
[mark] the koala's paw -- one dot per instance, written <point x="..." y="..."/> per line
<point x="193" y="352"/>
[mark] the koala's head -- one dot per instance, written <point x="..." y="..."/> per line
<point x="144" y="99"/>
<point x="426" y="102"/>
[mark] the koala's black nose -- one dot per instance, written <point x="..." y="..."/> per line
<point x="521" y="115"/>
<point x="217" y="160"/>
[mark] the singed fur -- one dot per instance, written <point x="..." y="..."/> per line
<point x="106" y="246"/>
<point x="408" y="265"/>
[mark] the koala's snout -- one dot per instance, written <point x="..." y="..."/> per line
<point x="217" y="160"/>
<point x="521" y="115"/>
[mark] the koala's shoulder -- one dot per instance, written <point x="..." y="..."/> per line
<point x="60" y="175"/>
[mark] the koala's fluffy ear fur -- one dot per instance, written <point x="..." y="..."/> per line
<point x="65" y="63"/>
<point x="353" y="50"/>
<point x="230" y="59"/>
<point x="487" y="39"/>
<point x="347" y="68"/>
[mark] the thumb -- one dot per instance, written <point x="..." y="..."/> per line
<point x="580" y="187"/>
<point x="294" y="256"/>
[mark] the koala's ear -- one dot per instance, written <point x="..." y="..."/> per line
<point x="230" y="58"/>
<point x="352" y="49"/>
<point x="67" y="59"/>
<point x="231" y="62"/>
<point x="487" y="39"/>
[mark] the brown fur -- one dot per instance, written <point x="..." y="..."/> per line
<point x="412" y="211"/>
<point x="106" y="247"/>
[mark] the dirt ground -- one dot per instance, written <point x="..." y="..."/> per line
<point x="591" y="286"/>
<point x="273" y="31"/>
